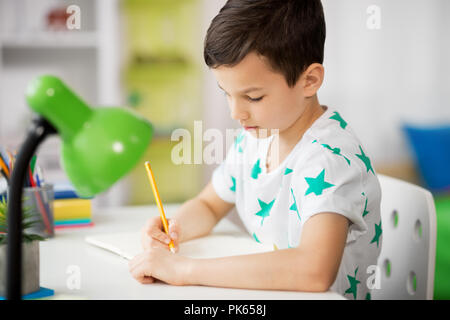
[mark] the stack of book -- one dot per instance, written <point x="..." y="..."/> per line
<point x="69" y="210"/>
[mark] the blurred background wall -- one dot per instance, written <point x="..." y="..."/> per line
<point x="382" y="78"/>
<point x="386" y="64"/>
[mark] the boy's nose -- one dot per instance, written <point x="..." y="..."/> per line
<point x="238" y="112"/>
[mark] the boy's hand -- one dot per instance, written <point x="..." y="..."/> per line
<point x="160" y="263"/>
<point x="153" y="234"/>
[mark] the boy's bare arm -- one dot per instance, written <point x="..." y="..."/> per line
<point x="312" y="266"/>
<point x="198" y="216"/>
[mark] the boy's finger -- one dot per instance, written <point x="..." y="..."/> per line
<point x="158" y="244"/>
<point x="150" y="223"/>
<point x="146" y="242"/>
<point x="139" y="275"/>
<point x="136" y="261"/>
<point x="152" y="229"/>
<point x="173" y="235"/>
<point x="147" y="280"/>
<point x="161" y="236"/>
<point x="173" y="230"/>
<point x="173" y="224"/>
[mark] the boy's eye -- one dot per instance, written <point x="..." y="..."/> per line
<point x="249" y="98"/>
<point x="255" y="99"/>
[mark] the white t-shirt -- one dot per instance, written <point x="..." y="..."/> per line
<point x="328" y="170"/>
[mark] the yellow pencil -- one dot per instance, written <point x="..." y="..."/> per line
<point x="151" y="178"/>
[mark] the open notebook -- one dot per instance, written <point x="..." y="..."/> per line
<point x="127" y="245"/>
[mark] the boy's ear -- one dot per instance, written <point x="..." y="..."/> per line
<point x="312" y="79"/>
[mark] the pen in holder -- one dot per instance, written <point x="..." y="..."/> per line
<point x="38" y="202"/>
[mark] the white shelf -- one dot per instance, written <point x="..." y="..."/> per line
<point x="87" y="60"/>
<point x="49" y="39"/>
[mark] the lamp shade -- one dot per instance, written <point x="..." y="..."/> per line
<point x="99" y="145"/>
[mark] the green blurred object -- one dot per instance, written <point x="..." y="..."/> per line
<point x="99" y="145"/>
<point x="163" y="46"/>
<point x="170" y="93"/>
<point x="442" y="271"/>
<point x="164" y="29"/>
<point x="176" y="183"/>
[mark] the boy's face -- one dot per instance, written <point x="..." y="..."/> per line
<point x="260" y="98"/>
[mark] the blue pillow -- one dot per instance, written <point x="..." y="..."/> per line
<point x="431" y="148"/>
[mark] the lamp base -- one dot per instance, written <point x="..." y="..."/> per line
<point x="39" y="294"/>
<point x="30" y="268"/>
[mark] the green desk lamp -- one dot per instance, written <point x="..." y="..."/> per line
<point x="99" y="146"/>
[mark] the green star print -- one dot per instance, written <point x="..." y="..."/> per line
<point x="287" y="171"/>
<point x="336" y="116"/>
<point x="365" y="209"/>
<point x="256" y="238"/>
<point x="238" y="141"/>
<point x="318" y="184"/>
<point x="378" y="232"/>
<point x="265" y="209"/>
<point x="353" y="284"/>
<point x="365" y="160"/>
<point x="256" y="170"/>
<point x="233" y="187"/>
<point x="294" y="205"/>
<point x="336" y="151"/>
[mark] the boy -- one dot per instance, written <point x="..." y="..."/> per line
<point x="313" y="194"/>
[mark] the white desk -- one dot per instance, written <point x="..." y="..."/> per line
<point x="104" y="275"/>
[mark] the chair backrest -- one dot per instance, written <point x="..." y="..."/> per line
<point x="407" y="258"/>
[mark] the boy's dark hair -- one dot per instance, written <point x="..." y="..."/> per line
<point x="289" y="33"/>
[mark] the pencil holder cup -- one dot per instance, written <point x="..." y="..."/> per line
<point x="38" y="203"/>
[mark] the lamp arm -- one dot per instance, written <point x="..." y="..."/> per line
<point x="39" y="130"/>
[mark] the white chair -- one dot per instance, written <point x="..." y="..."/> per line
<point x="407" y="258"/>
